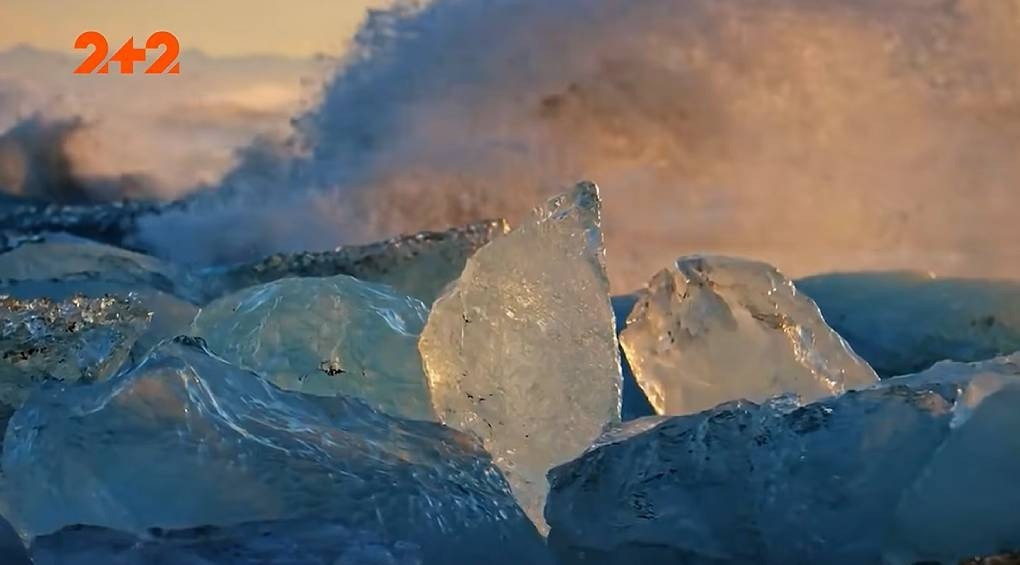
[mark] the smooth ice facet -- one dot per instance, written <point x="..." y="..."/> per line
<point x="966" y="500"/>
<point x="419" y="265"/>
<point x="326" y="336"/>
<point x="882" y="475"/>
<point x="712" y="329"/>
<point x="903" y="322"/>
<point x="186" y="439"/>
<point x="522" y="351"/>
<point x="77" y="260"/>
<point x="76" y="339"/>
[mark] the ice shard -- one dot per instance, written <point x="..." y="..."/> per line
<point x="521" y="351"/>
<point x="884" y="475"/>
<point x="187" y="440"/>
<point x="903" y="322"/>
<point x="711" y="329"/>
<point x="326" y="336"/>
<point x="419" y="265"/>
<point x="76" y="339"/>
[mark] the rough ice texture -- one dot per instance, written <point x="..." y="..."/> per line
<point x="326" y="336"/>
<point x="171" y="316"/>
<point x="903" y="322"/>
<point x="711" y="329"/>
<point x="186" y="439"/>
<point x="61" y="266"/>
<point x="522" y="351"/>
<point x="880" y="475"/>
<point x="968" y="383"/>
<point x="295" y="542"/>
<point x="76" y="339"/>
<point x="419" y="265"/>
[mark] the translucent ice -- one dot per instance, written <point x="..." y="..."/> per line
<point x="419" y="265"/>
<point x="171" y="316"/>
<point x="326" y="336"/>
<point x="77" y="339"/>
<point x="712" y="329"/>
<point x="186" y="439"/>
<point x="878" y="475"/>
<point x="522" y="351"/>
<point x="60" y="266"/>
<point x="74" y="259"/>
<point x="903" y="322"/>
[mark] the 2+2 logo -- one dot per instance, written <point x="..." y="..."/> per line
<point x="128" y="54"/>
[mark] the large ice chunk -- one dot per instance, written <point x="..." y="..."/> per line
<point x="522" y="350"/>
<point x="419" y="265"/>
<point x="77" y="339"/>
<point x="888" y="474"/>
<point x="59" y="266"/>
<point x="326" y="336"/>
<point x="903" y="322"/>
<point x="711" y="329"/>
<point x="170" y="316"/>
<point x="186" y="439"/>
<point x="73" y="259"/>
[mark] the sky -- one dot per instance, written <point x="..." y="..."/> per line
<point x="297" y="28"/>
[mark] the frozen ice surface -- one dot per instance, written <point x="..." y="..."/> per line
<point x="711" y="329"/>
<point x="59" y="266"/>
<point x="171" y="316"/>
<point x="967" y="500"/>
<point x="873" y="475"/>
<point x="76" y="339"/>
<point x="326" y="336"/>
<point x="63" y="257"/>
<point x="903" y="322"/>
<point x="295" y="542"/>
<point x="522" y="352"/>
<point x="186" y="440"/>
<point x="419" y="265"/>
<point x="968" y="383"/>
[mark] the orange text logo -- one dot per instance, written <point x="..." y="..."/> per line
<point x="128" y="54"/>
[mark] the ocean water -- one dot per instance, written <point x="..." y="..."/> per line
<point x="818" y="135"/>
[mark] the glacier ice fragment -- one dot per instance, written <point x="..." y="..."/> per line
<point x="419" y="265"/>
<point x="326" y="336"/>
<point x="881" y="475"/>
<point x="76" y="339"/>
<point x="903" y="322"/>
<point x="521" y="351"/>
<point x="67" y="258"/>
<point x="711" y="329"/>
<point x="185" y="439"/>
